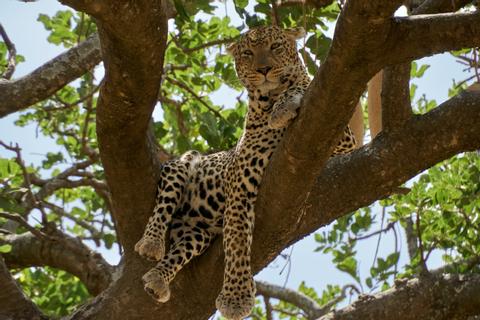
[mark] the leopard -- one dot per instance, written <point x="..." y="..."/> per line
<point x="200" y="197"/>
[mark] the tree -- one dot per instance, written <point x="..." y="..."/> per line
<point x="104" y="197"/>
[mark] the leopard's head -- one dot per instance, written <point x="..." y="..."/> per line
<point x="267" y="57"/>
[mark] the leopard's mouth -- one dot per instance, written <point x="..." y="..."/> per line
<point x="268" y="84"/>
<point x="152" y="293"/>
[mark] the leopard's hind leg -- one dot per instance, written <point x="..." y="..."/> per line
<point x="170" y="191"/>
<point x="187" y="241"/>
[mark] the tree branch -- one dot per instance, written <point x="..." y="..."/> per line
<point x="395" y="82"/>
<point x="97" y="9"/>
<point x="13" y="303"/>
<point x="62" y="252"/>
<point x="315" y="3"/>
<point x="445" y="297"/>
<point x="423" y="35"/>
<point x="132" y="49"/>
<point x="18" y="218"/>
<point x="12" y="54"/>
<point x="395" y="96"/>
<point x="307" y="304"/>
<point x="439" y="6"/>
<point x="41" y="83"/>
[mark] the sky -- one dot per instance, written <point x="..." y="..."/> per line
<point x="19" y="20"/>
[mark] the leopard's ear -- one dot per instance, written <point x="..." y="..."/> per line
<point x="231" y="48"/>
<point x="295" y="33"/>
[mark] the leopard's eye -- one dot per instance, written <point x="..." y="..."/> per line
<point x="275" y="45"/>
<point x="247" y="53"/>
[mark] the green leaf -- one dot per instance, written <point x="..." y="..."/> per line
<point x="349" y="265"/>
<point x="109" y="240"/>
<point x="240" y="7"/>
<point x="6" y="248"/>
<point x="10" y="205"/>
<point x="181" y="12"/>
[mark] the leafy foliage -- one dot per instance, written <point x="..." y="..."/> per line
<point x="54" y="291"/>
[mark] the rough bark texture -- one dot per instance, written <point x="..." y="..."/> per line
<point x="302" y="189"/>
<point x="13" y="303"/>
<point x="395" y="96"/>
<point x="436" y="298"/>
<point x="44" y="81"/>
<point x="62" y="252"/>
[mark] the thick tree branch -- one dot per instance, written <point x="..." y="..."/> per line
<point x="41" y="83"/>
<point x="97" y="8"/>
<point x="62" y="252"/>
<point x="132" y="49"/>
<point x="444" y="297"/>
<point x="439" y="6"/>
<point x="395" y="96"/>
<point x="13" y="303"/>
<point x="423" y="35"/>
<point x="362" y="29"/>
<point x="395" y="93"/>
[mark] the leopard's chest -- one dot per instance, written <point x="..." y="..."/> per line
<point x="250" y="160"/>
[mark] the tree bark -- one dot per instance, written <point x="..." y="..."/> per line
<point x="44" y="81"/>
<point x="445" y="297"/>
<point x="62" y="252"/>
<point x="13" y="303"/>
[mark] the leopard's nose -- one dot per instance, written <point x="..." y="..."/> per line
<point x="264" y="70"/>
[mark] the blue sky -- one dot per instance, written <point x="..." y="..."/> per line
<point x="19" y="20"/>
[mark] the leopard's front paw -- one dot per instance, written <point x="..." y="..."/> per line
<point x="235" y="305"/>
<point x="156" y="286"/>
<point x="280" y="118"/>
<point x="152" y="249"/>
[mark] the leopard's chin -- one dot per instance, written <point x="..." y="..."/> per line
<point x="267" y="85"/>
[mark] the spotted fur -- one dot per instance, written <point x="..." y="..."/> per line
<point x="201" y="196"/>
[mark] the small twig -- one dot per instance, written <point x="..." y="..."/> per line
<point x="12" y="54"/>
<point x="412" y="244"/>
<point x="80" y="27"/>
<point x="89" y="109"/>
<point x="196" y="96"/>
<point x="379" y="236"/>
<point x="326" y="307"/>
<point x="464" y="81"/>
<point x="268" y="308"/>
<point x="289" y="313"/>
<point x="274" y="13"/>
<point x="203" y="46"/>
<point x="389" y="226"/>
<point x="26" y="177"/>
<point x="18" y="218"/>
<point x="396" y="249"/>
<point x="67" y="105"/>
<point x="288" y="265"/>
<point x="315" y="3"/>
<point x="95" y="234"/>
<point x="475" y="65"/>
<point x="423" y="264"/>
